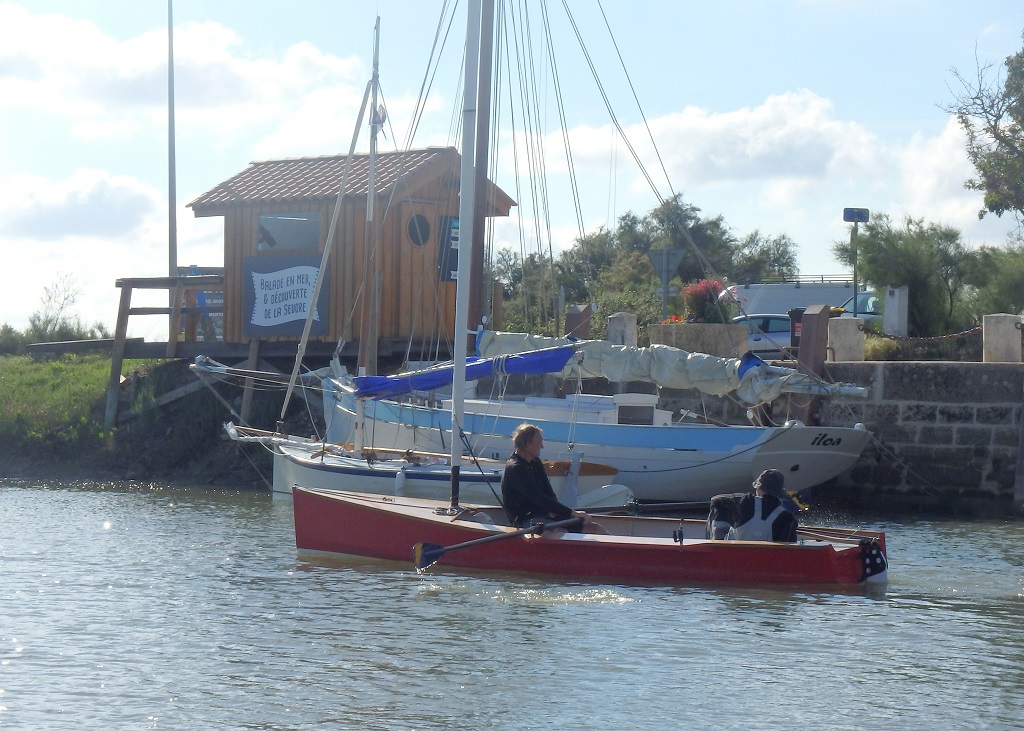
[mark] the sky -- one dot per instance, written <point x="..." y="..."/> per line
<point x="774" y="115"/>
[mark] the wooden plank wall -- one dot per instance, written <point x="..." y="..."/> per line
<point x="414" y="304"/>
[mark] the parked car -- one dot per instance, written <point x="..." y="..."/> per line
<point x="767" y="335"/>
<point x="869" y="306"/>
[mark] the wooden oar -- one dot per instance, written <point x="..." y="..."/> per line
<point x="426" y="555"/>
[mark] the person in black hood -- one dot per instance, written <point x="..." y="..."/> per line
<point x="760" y="515"/>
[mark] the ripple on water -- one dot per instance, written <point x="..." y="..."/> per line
<point x="160" y="607"/>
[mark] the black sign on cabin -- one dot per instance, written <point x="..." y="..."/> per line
<point x="448" y="250"/>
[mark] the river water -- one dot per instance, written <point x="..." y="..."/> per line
<point x="155" y="607"/>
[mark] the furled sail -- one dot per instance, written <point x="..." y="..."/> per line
<point x="749" y="378"/>
<point x="544" y="360"/>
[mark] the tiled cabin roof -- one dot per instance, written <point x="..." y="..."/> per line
<point x="308" y="179"/>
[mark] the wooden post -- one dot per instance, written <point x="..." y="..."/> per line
<point x="117" y="357"/>
<point x="254" y="357"/>
<point x="811" y="358"/>
<point x="192" y="318"/>
<point x="175" y="323"/>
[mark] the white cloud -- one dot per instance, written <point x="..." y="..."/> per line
<point x="786" y="166"/>
<point x="89" y="203"/>
<point x="933" y="173"/>
<point x="792" y="136"/>
<point x="93" y="226"/>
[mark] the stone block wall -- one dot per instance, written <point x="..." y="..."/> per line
<point x="952" y="427"/>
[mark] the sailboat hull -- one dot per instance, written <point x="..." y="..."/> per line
<point x="312" y="464"/>
<point x="639" y="549"/>
<point x="670" y="462"/>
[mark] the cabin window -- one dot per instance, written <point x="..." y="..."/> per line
<point x="418" y="229"/>
<point x="643" y="415"/>
<point x="292" y="231"/>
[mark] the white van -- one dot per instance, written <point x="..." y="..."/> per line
<point x="759" y="297"/>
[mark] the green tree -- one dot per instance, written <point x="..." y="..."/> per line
<point x="706" y="243"/>
<point x="531" y="292"/>
<point x="998" y="279"/>
<point x="635" y="234"/>
<point x="56" y="320"/>
<point x="991" y="112"/>
<point x="579" y="266"/>
<point x="611" y="268"/>
<point x="758" y="257"/>
<point x="628" y="286"/>
<point x="11" y="341"/>
<point x="931" y="260"/>
<point x="508" y="269"/>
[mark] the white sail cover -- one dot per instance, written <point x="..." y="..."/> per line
<point x="750" y="379"/>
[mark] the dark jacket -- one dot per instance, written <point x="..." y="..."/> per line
<point x="738" y="508"/>
<point x="527" y="492"/>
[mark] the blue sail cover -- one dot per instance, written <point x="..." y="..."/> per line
<point x="548" y="360"/>
<point x="748" y="361"/>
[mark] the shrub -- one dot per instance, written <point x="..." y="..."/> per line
<point x="701" y="303"/>
<point x="879" y="348"/>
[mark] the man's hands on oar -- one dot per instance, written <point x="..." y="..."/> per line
<point x="426" y="555"/>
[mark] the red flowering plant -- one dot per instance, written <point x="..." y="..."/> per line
<point x="701" y="302"/>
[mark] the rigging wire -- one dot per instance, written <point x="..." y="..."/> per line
<point x="563" y="120"/>
<point x="534" y="151"/>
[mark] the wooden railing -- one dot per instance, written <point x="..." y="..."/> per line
<point x="183" y="313"/>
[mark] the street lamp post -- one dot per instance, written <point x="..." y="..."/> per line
<point x="855" y="216"/>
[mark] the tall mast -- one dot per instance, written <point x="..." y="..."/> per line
<point x="466" y="216"/>
<point x="172" y="220"/>
<point x="368" y="337"/>
<point x="329" y="241"/>
<point x="477" y="294"/>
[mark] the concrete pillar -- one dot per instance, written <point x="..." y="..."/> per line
<point x="846" y="338"/>
<point x="894" y="316"/>
<point x="1001" y="336"/>
<point x="622" y="329"/>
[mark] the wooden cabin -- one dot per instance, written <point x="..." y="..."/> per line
<point x="393" y="279"/>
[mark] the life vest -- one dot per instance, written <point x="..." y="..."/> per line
<point x="757" y="528"/>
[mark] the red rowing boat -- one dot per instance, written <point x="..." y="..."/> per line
<point x="637" y="549"/>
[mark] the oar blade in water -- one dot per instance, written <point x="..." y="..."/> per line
<point x="425" y="555"/>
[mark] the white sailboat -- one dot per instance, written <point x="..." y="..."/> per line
<point x="657" y="458"/>
<point x="358" y="466"/>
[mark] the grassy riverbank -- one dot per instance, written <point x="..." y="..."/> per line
<point x="51" y="425"/>
<point x="47" y="403"/>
